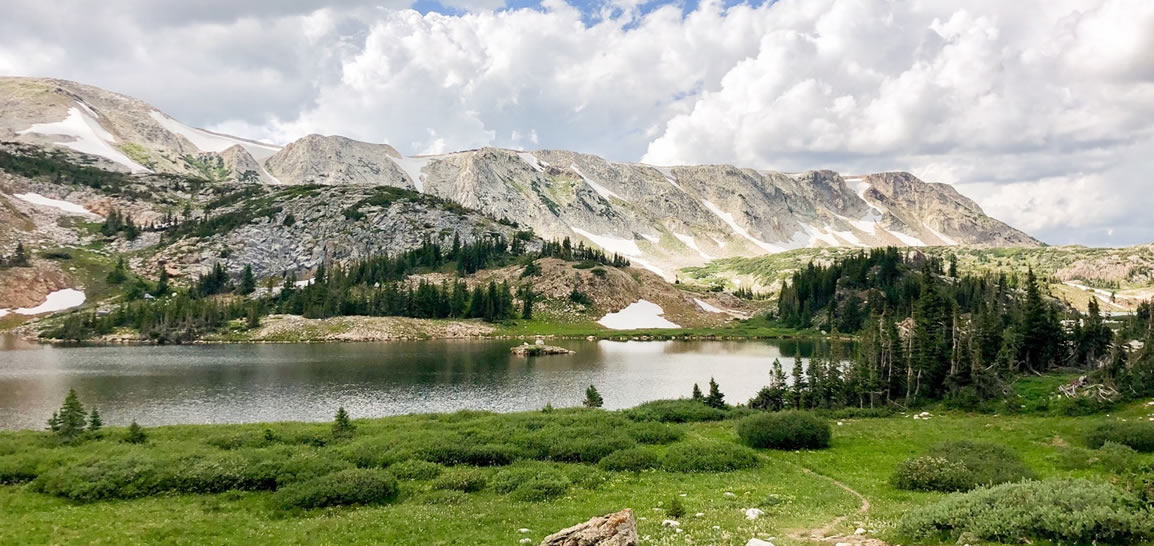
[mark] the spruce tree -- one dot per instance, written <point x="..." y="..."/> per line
<point x="593" y="398"/>
<point x="135" y="434"/>
<point x="20" y="258"/>
<point x="69" y="421"/>
<point x="119" y="273"/>
<point x="697" y="396"/>
<point x="247" y="281"/>
<point x="343" y="427"/>
<point x="715" y="399"/>
<point x="95" y="423"/>
<point x="161" y="289"/>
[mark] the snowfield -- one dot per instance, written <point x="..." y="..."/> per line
<point x="90" y="137"/>
<point x="211" y="142"/>
<point x="639" y="314"/>
<point x="66" y="206"/>
<point x="56" y="301"/>
<point x="412" y="167"/>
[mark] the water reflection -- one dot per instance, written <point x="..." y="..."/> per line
<point x="253" y="383"/>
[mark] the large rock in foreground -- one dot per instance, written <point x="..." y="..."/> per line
<point x="619" y="529"/>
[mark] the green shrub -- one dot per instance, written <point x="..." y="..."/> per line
<point x="675" y="411"/>
<point x="461" y="479"/>
<point x="283" y="466"/>
<point x="650" y="432"/>
<point x="1138" y="435"/>
<point x="374" y="453"/>
<point x="587" y="449"/>
<point x="587" y="477"/>
<point x="416" y="470"/>
<point x="961" y="466"/>
<point x="542" y="487"/>
<point x="1072" y="458"/>
<point x="101" y="479"/>
<point x="708" y="457"/>
<point x="676" y="508"/>
<point x="786" y="430"/>
<point x="1117" y="458"/>
<point x="631" y="460"/>
<point x="445" y="497"/>
<point x="1063" y="511"/>
<point x="347" y="487"/>
<point x="17" y="469"/>
<point x="932" y="474"/>
<point x="214" y="474"/>
<point x="449" y="452"/>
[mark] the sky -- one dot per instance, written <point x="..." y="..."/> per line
<point x="1042" y="111"/>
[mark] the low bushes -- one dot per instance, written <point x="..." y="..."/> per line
<point x="961" y="466"/>
<point x="785" y="430"/>
<point x="708" y="457"/>
<point x="631" y="460"/>
<point x="347" y="487"/>
<point x="17" y="469"/>
<point x="650" y="432"/>
<point x="101" y="479"/>
<point x="1138" y="435"/>
<point x="467" y="480"/>
<point x="932" y="474"/>
<point x="416" y="470"/>
<point x="531" y="481"/>
<point x="675" y="411"/>
<point x="1063" y="511"/>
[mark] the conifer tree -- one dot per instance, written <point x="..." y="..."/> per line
<point x="697" y="393"/>
<point x="593" y="398"/>
<point x="715" y="399"/>
<point x="135" y="434"/>
<point x="247" y="282"/>
<point x="119" y="273"/>
<point x="69" y="421"/>
<point x="95" y="423"/>
<point x="20" y="258"/>
<point x="161" y="284"/>
<point x="343" y="427"/>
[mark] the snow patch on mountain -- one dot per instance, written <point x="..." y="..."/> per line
<point x="728" y="219"/>
<point x="90" y="137"/>
<point x="692" y="243"/>
<point x="66" y="206"/>
<point x="639" y="314"/>
<point x="601" y="190"/>
<point x="531" y="160"/>
<point x="55" y="301"/>
<point x="908" y="240"/>
<point x="413" y="167"/>
<point x="206" y="141"/>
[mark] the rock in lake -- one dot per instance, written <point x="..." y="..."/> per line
<point x="619" y="529"/>
<point x="539" y="350"/>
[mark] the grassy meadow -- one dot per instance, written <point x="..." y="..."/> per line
<point x="482" y="478"/>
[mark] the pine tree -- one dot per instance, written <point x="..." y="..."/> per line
<point x="593" y="398"/>
<point x="697" y="396"/>
<point x="70" y="420"/>
<point x="20" y="258"/>
<point x="715" y="399"/>
<point x="135" y="434"/>
<point x="161" y="289"/>
<point x="247" y="282"/>
<point x="343" y="427"/>
<point x="119" y="273"/>
<point x="95" y="423"/>
<point x="797" y="385"/>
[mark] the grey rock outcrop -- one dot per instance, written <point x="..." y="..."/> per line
<point x="618" y="529"/>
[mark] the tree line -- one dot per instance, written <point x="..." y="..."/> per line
<point x="926" y="333"/>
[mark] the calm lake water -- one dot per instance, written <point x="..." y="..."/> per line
<point x="257" y="383"/>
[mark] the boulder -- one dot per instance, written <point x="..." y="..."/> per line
<point x="619" y="529"/>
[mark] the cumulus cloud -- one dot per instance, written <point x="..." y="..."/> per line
<point x="1040" y="110"/>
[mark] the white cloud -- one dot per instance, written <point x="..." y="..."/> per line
<point x="1040" y="110"/>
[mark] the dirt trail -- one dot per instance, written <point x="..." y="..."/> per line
<point x="822" y="534"/>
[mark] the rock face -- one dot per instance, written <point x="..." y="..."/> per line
<point x="662" y="218"/>
<point x="619" y="529"/>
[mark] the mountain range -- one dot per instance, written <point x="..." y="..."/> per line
<point x="662" y="218"/>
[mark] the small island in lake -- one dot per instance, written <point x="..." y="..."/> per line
<point x="539" y="349"/>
